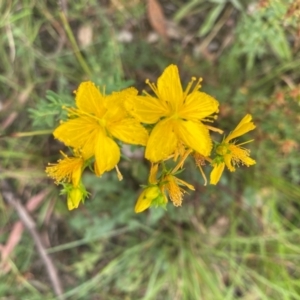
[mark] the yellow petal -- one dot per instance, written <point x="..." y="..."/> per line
<point x="169" y="87"/>
<point x="197" y="106"/>
<point x="68" y="169"/>
<point x="146" y="109"/>
<point x="89" y="99"/>
<point x="194" y="135"/>
<point x="216" y="173"/>
<point x="248" y="161"/>
<point x="146" y="197"/>
<point x="245" y="120"/>
<point x="79" y="133"/>
<point x="162" y="141"/>
<point x="243" y="127"/>
<point x="153" y="172"/>
<point x="76" y="175"/>
<point x="119" y="98"/>
<point x="129" y="131"/>
<point x="107" y="154"/>
<point x="228" y="160"/>
<point x="239" y="155"/>
<point x="115" y="113"/>
<point x="184" y="183"/>
<point x="115" y="104"/>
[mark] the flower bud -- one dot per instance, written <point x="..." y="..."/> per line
<point x="146" y="197"/>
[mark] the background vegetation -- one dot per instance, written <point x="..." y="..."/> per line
<point x="238" y="240"/>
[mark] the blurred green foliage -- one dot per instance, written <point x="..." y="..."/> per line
<point x="239" y="240"/>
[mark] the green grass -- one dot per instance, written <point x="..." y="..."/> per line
<point x="238" y="240"/>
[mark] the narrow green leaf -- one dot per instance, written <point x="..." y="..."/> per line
<point x="185" y="9"/>
<point x="211" y="19"/>
<point x="279" y="44"/>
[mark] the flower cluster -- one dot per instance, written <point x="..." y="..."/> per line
<point x="172" y="125"/>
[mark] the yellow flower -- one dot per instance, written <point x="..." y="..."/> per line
<point x="96" y="121"/>
<point x="230" y="154"/>
<point x="177" y="114"/>
<point x="174" y="190"/>
<point x="155" y="193"/>
<point x="68" y="169"/>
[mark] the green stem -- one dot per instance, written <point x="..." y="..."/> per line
<point x="75" y="47"/>
<point x="31" y="133"/>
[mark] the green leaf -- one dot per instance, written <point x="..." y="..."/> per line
<point x="185" y="9"/>
<point x="237" y="5"/>
<point x="211" y="19"/>
<point x="279" y="44"/>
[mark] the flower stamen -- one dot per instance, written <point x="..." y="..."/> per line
<point x="153" y="87"/>
<point x="198" y="85"/>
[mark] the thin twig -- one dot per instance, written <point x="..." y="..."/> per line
<point x="17" y="231"/>
<point x="28" y="222"/>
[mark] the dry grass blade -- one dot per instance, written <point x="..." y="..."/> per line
<point x="29" y="223"/>
<point x="157" y="18"/>
<point x="21" y="100"/>
<point x="17" y="230"/>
